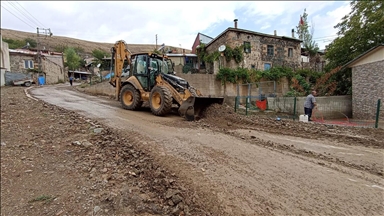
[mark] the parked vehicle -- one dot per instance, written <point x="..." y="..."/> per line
<point x="25" y="82"/>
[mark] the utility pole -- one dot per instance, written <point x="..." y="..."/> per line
<point x="41" y="32"/>
<point x="156" y="41"/>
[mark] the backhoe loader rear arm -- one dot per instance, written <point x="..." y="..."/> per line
<point x="119" y="54"/>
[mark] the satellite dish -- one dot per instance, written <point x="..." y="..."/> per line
<point x="221" y="48"/>
<point x="98" y="65"/>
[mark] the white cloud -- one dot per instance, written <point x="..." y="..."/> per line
<point x="324" y="24"/>
<point x="265" y="26"/>
<point x="175" y="22"/>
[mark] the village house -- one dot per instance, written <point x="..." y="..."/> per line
<point x="317" y="63"/>
<point x="367" y="82"/>
<point x="200" y="38"/>
<point x="261" y="51"/>
<point x="26" y="61"/>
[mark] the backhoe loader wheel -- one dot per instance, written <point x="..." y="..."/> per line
<point x="130" y="98"/>
<point x="160" y="100"/>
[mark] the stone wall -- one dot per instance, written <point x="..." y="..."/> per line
<point x="258" y="55"/>
<point x="53" y="71"/>
<point x="367" y="88"/>
<point x="51" y="65"/>
<point x="17" y="62"/>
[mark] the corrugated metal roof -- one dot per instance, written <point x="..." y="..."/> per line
<point x="80" y="72"/>
<point x="30" y="52"/>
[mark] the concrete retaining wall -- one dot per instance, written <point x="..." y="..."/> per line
<point x="208" y="85"/>
<point x="331" y="107"/>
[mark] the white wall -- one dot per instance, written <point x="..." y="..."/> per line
<point x="4" y="60"/>
<point x="374" y="56"/>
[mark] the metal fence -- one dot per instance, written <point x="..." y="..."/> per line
<point x="260" y="99"/>
<point x="253" y="96"/>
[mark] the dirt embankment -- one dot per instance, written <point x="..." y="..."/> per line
<point x="52" y="42"/>
<point x="56" y="162"/>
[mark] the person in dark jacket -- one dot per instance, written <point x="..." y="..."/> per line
<point x="70" y="80"/>
<point x="310" y="104"/>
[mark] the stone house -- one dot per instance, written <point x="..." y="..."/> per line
<point x="26" y="61"/>
<point x="367" y="82"/>
<point x="261" y="51"/>
<point x="318" y="62"/>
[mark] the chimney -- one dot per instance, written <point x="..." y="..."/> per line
<point x="293" y="33"/>
<point x="235" y="20"/>
<point x="274" y="32"/>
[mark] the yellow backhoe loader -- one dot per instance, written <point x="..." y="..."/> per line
<point x="151" y="78"/>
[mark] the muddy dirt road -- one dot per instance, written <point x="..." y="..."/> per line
<point x="245" y="166"/>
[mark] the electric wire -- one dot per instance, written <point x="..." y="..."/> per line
<point x="16" y="16"/>
<point x="30" y="14"/>
<point x="22" y="13"/>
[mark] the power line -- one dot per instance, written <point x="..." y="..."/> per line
<point x="326" y="37"/>
<point x="30" y="14"/>
<point x="22" y="13"/>
<point x="16" y="16"/>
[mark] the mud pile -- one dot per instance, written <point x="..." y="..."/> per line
<point x="107" y="172"/>
<point x="222" y="116"/>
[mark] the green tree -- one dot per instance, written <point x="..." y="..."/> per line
<point x="72" y="58"/>
<point x="306" y="36"/>
<point x="14" y="44"/>
<point x="17" y="44"/>
<point x="358" y="31"/>
<point x="99" y="55"/>
<point x="32" y="42"/>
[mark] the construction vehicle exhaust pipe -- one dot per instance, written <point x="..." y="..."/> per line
<point x="192" y="108"/>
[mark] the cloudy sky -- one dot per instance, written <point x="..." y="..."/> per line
<point x="176" y="23"/>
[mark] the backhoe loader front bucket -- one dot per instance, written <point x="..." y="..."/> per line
<point x="192" y="108"/>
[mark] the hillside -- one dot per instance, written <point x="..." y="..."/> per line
<point x="51" y="42"/>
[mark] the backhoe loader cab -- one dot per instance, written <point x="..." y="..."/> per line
<point x="152" y="79"/>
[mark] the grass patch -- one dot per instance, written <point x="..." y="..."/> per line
<point x="45" y="198"/>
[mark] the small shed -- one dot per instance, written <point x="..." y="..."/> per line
<point x="82" y="75"/>
<point x="367" y="82"/>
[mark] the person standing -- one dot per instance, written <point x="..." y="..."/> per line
<point x="70" y="80"/>
<point x="310" y="104"/>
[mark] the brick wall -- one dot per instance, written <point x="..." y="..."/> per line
<point x="367" y="88"/>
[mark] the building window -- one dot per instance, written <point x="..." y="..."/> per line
<point x="267" y="66"/>
<point x="270" y="50"/>
<point x="290" y="52"/>
<point x="28" y="64"/>
<point x="253" y="66"/>
<point x="247" y="47"/>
